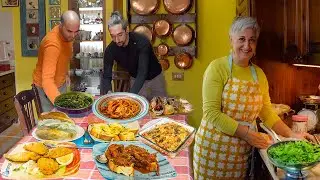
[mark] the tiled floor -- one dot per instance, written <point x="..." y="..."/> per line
<point x="10" y="137"/>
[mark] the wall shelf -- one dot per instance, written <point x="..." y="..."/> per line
<point x="91" y="9"/>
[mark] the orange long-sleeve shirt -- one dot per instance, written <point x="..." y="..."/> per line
<point x="53" y="62"/>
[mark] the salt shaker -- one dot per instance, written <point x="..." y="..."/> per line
<point x="299" y="123"/>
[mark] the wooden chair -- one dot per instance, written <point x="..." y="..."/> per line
<point x="24" y="102"/>
<point x="121" y="81"/>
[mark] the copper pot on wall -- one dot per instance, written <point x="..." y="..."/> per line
<point x="145" y="30"/>
<point x="177" y="6"/>
<point x="183" y="60"/>
<point x="183" y="35"/>
<point x="144" y="7"/>
<point x="162" y="49"/>
<point x="164" y="64"/>
<point x="162" y="28"/>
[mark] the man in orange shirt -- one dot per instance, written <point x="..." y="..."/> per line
<point x="54" y="56"/>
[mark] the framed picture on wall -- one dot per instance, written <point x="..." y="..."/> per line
<point x="10" y="3"/>
<point x="54" y="2"/>
<point x="54" y="23"/>
<point x="32" y="20"/>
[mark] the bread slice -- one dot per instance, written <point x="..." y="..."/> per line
<point x="126" y="170"/>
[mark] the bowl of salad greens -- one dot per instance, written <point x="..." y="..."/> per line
<point x="74" y="103"/>
<point x="293" y="155"/>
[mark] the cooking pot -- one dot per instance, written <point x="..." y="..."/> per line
<point x="162" y="49"/>
<point x="162" y="28"/>
<point x="183" y="35"/>
<point x="144" y="7"/>
<point x="164" y="64"/>
<point x="145" y="30"/>
<point x="183" y="60"/>
<point x="177" y="6"/>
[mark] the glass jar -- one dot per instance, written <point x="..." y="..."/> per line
<point x="299" y="123"/>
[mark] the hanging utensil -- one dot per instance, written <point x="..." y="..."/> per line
<point x="164" y="64"/>
<point x="183" y="60"/>
<point x="144" y="7"/>
<point x="183" y="35"/>
<point x="145" y="30"/>
<point x="177" y="6"/>
<point x="162" y="49"/>
<point x="162" y="28"/>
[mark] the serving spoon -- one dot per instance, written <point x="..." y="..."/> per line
<point x="101" y="158"/>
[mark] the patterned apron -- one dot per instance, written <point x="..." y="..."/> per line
<point x="216" y="154"/>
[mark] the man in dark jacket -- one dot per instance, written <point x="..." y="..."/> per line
<point x="133" y="52"/>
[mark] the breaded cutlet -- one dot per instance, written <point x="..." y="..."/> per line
<point x="58" y="152"/>
<point x="36" y="147"/>
<point x="22" y="156"/>
<point x="47" y="166"/>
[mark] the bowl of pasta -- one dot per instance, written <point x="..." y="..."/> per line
<point x="120" y="107"/>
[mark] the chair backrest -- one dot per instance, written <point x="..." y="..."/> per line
<point x="121" y="81"/>
<point x="24" y="106"/>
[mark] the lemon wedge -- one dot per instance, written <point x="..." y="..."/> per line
<point x="65" y="160"/>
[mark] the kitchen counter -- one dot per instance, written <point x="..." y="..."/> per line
<point x="2" y="73"/>
<point x="314" y="173"/>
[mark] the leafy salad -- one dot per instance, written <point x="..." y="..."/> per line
<point x="295" y="153"/>
<point x="73" y="100"/>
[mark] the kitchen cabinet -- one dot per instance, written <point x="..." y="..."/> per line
<point x="244" y="7"/>
<point x="8" y="114"/>
<point x="290" y="29"/>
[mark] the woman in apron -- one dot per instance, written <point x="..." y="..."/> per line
<point x="235" y="92"/>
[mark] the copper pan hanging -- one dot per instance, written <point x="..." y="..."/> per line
<point x="144" y="7"/>
<point x="183" y="60"/>
<point x="177" y="6"/>
<point x="162" y="49"/>
<point x="162" y="28"/>
<point x="164" y="64"/>
<point x="145" y="30"/>
<point x="183" y="35"/>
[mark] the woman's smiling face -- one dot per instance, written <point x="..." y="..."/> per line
<point x="244" y="44"/>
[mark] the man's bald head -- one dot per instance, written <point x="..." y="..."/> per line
<point x="70" y="24"/>
<point x="70" y="17"/>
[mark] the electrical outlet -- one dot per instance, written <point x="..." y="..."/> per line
<point x="177" y="76"/>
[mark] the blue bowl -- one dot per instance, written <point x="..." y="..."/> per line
<point x="144" y="106"/>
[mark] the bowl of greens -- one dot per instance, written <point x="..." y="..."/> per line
<point x="294" y="155"/>
<point x="74" y="103"/>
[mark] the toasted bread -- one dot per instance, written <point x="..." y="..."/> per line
<point x="126" y="170"/>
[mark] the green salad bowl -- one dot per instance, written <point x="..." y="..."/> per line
<point x="74" y="103"/>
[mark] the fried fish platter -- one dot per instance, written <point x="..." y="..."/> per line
<point x="42" y="160"/>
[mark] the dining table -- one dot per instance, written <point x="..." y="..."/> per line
<point x="181" y="163"/>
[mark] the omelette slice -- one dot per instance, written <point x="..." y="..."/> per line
<point x="22" y="156"/>
<point x="36" y="147"/>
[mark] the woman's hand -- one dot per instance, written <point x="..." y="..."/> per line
<point x="258" y="140"/>
<point x="304" y="135"/>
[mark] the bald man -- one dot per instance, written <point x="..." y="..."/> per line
<point x="54" y="56"/>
